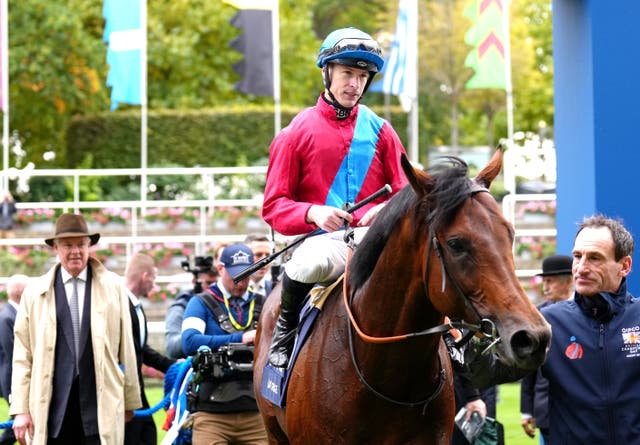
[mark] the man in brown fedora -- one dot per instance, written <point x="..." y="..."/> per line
<point x="74" y="365"/>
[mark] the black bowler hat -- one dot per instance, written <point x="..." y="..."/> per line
<point x="556" y="265"/>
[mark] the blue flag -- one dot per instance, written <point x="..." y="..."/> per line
<point x="125" y="38"/>
<point x="400" y="66"/>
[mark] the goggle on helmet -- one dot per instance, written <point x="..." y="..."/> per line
<point x="351" y="47"/>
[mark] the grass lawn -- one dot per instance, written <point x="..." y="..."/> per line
<point x="508" y="413"/>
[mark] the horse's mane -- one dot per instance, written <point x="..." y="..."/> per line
<point x="448" y="188"/>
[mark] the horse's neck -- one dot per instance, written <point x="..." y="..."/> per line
<point x="394" y="297"/>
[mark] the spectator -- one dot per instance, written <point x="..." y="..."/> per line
<point x="594" y="358"/>
<point x="557" y="285"/>
<point x="140" y="278"/>
<point x="7" y="212"/>
<point x="74" y="365"/>
<point x="335" y="153"/>
<point x="225" y="407"/>
<point x="261" y="282"/>
<point x="173" y="319"/>
<point x="466" y="395"/>
<point x="483" y="402"/>
<point x="15" y="286"/>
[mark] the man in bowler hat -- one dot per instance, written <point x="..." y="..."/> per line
<point x="74" y="365"/>
<point x="557" y="285"/>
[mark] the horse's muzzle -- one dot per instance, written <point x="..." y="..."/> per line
<point x="530" y="347"/>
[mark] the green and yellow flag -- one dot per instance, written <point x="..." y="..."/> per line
<point x="486" y="35"/>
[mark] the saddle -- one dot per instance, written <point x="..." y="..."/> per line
<point x="275" y="380"/>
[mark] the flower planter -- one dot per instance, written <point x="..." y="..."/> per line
<point x="253" y="224"/>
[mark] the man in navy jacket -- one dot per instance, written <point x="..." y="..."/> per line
<point x="593" y="363"/>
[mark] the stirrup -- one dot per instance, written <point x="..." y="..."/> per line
<point x="279" y="359"/>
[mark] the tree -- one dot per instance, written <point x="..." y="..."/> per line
<point x="56" y="69"/>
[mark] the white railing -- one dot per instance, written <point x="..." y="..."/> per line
<point x="137" y="233"/>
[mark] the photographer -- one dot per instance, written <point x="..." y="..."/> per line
<point x="204" y="275"/>
<point x="225" y="313"/>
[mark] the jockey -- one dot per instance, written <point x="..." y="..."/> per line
<point x="334" y="153"/>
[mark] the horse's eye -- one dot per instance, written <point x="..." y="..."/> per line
<point x="457" y="246"/>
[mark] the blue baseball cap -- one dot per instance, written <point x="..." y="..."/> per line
<point x="236" y="258"/>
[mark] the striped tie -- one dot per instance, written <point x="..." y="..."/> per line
<point x="75" y="317"/>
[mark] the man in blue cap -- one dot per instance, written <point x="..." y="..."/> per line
<point x="226" y="312"/>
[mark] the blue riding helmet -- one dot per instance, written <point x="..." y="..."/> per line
<point x="351" y="47"/>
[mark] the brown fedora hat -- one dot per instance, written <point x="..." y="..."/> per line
<point x="71" y="225"/>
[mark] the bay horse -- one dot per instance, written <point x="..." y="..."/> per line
<point x="367" y="374"/>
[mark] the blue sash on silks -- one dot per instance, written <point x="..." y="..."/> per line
<point x="355" y="165"/>
<point x="275" y="380"/>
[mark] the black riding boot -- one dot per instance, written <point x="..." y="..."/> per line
<point x="293" y="294"/>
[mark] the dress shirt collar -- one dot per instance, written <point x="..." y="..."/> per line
<point x="226" y="293"/>
<point x="66" y="276"/>
<point x="134" y="300"/>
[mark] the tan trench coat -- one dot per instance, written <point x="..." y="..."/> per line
<point x="112" y="341"/>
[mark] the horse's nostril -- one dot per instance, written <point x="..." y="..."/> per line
<point x="524" y="344"/>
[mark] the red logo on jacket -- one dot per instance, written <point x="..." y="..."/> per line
<point x="574" y="350"/>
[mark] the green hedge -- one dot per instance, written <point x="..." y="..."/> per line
<point x="212" y="138"/>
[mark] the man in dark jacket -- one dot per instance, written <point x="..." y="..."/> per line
<point x="141" y="277"/>
<point x="557" y="285"/>
<point x="594" y="358"/>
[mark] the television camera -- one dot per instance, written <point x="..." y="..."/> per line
<point x="202" y="264"/>
<point x="225" y="361"/>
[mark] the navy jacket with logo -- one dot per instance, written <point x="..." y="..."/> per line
<point x="593" y="367"/>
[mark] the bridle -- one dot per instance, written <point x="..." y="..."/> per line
<point x="485" y="326"/>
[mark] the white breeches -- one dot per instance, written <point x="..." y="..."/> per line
<point x="321" y="258"/>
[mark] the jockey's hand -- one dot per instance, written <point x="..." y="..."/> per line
<point x="371" y="214"/>
<point x="23" y="425"/>
<point x="248" y="336"/>
<point x="328" y="218"/>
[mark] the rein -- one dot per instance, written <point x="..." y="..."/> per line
<point x="485" y="326"/>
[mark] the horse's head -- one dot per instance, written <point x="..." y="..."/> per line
<point x="469" y="264"/>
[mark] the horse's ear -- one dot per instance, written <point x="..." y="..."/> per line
<point x="491" y="170"/>
<point x="418" y="179"/>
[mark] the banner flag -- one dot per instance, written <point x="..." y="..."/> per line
<point x="399" y="74"/>
<point x="486" y="35"/>
<point x="125" y="38"/>
<point x="255" y="42"/>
